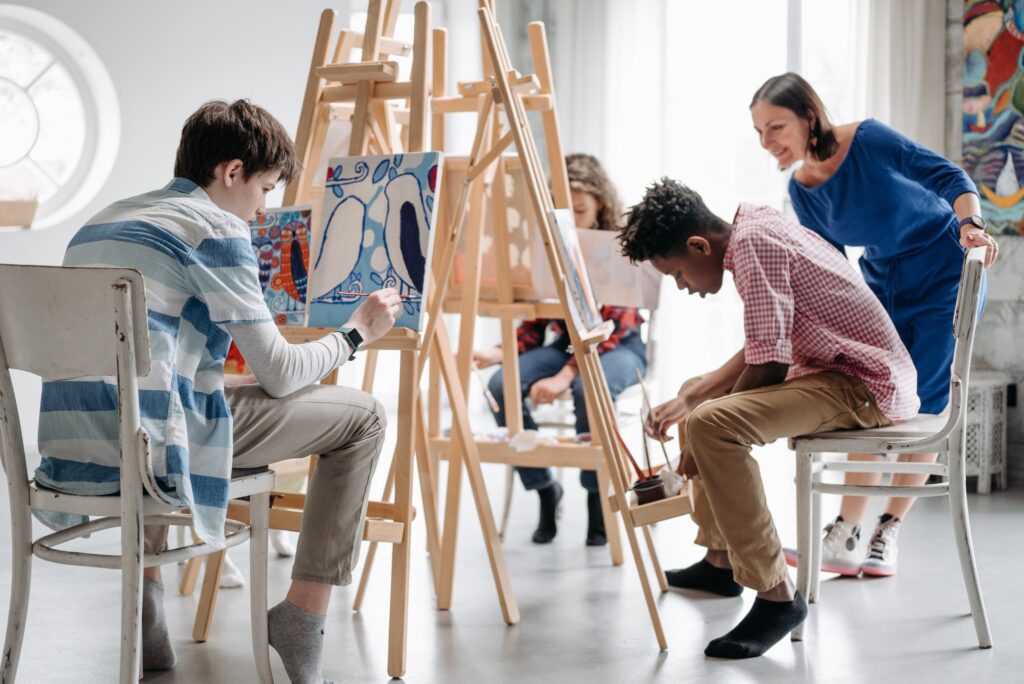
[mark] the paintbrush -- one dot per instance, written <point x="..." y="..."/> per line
<point x="495" y="408"/>
<point x="647" y="401"/>
<point x="415" y="297"/>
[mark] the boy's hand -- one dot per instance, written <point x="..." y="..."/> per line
<point x="547" y="390"/>
<point x="661" y="418"/>
<point x="377" y="314"/>
<point x="487" y="357"/>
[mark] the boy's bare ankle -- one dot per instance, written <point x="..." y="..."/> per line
<point x="781" y="592"/>
<point x="719" y="559"/>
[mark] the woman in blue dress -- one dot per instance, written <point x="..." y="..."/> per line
<point x="914" y="212"/>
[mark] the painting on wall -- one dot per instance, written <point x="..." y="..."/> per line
<point x="280" y="239"/>
<point x="376" y="233"/>
<point x="993" y="109"/>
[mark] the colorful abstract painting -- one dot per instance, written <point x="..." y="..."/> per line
<point x="377" y="218"/>
<point x="993" y="109"/>
<point x="280" y="239"/>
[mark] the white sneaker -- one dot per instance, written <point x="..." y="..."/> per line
<point x="230" y="576"/>
<point x="282" y="543"/>
<point x="838" y="549"/>
<point x="882" y="551"/>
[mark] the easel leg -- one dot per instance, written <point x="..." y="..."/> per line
<point x="461" y="430"/>
<point x="662" y="583"/>
<point x="364" y="579"/>
<point x="399" y="613"/>
<point x="208" y="596"/>
<point x="428" y="494"/>
<point x="611" y="521"/>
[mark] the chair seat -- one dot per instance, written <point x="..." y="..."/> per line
<point x="921" y="425"/>
<point x="244" y="482"/>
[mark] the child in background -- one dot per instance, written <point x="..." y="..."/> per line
<point x="548" y="370"/>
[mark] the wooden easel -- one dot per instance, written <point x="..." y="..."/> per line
<point x="507" y="90"/>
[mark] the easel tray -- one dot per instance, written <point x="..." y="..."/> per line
<point x="656" y="511"/>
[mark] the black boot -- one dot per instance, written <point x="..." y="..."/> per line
<point x="547" y="527"/>
<point x="595" y="521"/>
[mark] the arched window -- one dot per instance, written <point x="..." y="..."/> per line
<point x="59" y="118"/>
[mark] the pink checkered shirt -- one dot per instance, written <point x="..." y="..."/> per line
<point x="806" y="306"/>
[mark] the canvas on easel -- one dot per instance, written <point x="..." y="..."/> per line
<point x="280" y="241"/>
<point x="582" y="303"/>
<point x="523" y="237"/>
<point x="377" y="217"/>
<point x="617" y="281"/>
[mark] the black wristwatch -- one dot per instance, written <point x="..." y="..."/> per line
<point x="353" y="338"/>
<point x="973" y="220"/>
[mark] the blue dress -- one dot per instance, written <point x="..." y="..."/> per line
<point x="894" y="198"/>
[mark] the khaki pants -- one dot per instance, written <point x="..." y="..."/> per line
<point x="729" y="507"/>
<point x="346" y="427"/>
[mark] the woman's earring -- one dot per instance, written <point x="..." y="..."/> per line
<point x="814" y="140"/>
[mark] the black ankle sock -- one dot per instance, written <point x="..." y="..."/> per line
<point x="596" y="535"/>
<point x="547" y="527"/>
<point x="704" y="576"/>
<point x="763" y="627"/>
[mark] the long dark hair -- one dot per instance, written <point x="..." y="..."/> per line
<point x="791" y="91"/>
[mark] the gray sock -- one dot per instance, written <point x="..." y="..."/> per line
<point x="298" y="637"/>
<point x="157" y="652"/>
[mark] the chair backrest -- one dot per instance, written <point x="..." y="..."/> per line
<point x="58" y="322"/>
<point x="965" y="323"/>
<point x="62" y="323"/>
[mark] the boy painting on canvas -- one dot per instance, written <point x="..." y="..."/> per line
<point x="820" y="354"/>
<point x="191" y="241"/>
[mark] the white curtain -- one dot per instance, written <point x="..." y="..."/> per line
<point x="905" y="67"/>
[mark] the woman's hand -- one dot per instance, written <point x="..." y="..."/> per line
<point x="972" y="236"/>
<point x="487" y="357"/>
<point x="547" y="390"/>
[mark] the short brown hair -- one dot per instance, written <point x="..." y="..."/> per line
<point x="219" y="132"/>
<point x="587" y="175"/>
<point x="791" y="91"/>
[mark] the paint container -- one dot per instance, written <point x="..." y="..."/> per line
<point x="648" y="491"/>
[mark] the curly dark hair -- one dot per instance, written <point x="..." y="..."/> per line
<point x="669" y="214"/>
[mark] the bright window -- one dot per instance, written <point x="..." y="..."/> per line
<point x="59" y="120"/>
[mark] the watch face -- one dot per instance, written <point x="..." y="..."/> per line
<point x="978" y="221"/>
<point x="356" y="338"/>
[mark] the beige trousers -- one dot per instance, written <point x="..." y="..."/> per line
<point x="346" y="427"/>
<point x="730" y="508"/>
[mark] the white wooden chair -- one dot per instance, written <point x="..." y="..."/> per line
<point x="61" y="323"/>
<point x="922" y="434"/>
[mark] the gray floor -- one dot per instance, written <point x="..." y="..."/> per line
<point x="582" y="619"/>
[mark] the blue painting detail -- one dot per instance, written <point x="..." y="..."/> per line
<point x="376" y="234"/>
<point x="280" y="240"/>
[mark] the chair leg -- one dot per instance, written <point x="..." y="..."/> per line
<point x="132" y="546"/>
<point x="21" y="581"/>
<point x="815" y="538"/>
<point x="259" y="524"/>
<point x="803" y="525"/>
<point x="506" y="510"/>
<point x="964" y="545"/>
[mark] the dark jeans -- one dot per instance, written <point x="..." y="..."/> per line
<point x="620" y="366"/>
